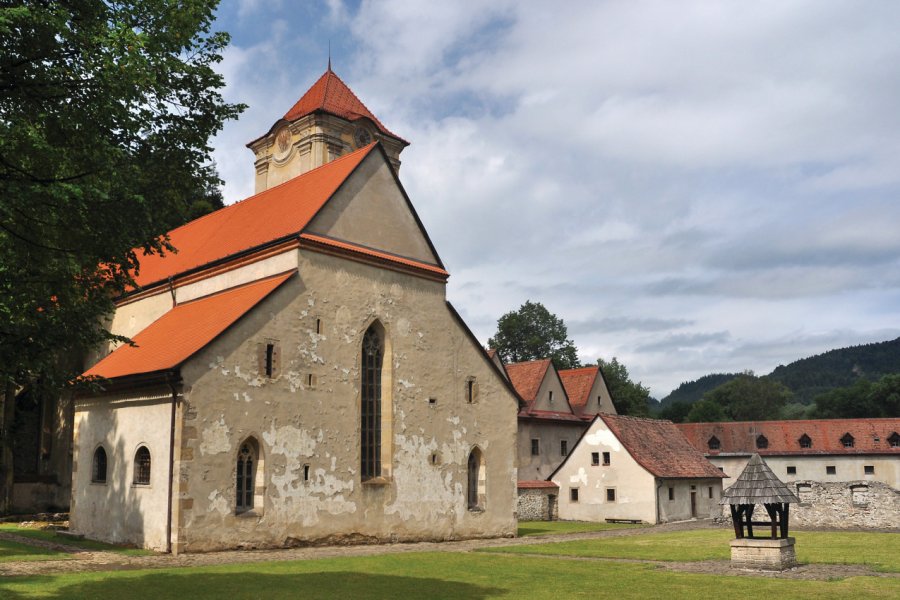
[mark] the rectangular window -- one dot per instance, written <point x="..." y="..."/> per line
<point x="710" y="492"/>
<point x="270" y="356"/>
<point x="305" y="472"/>
<point x="606" y="459"/>
<point x="869" y="469"/>
<point x="595" y="458"/>
<point x="573" y="494"/>
<point x="551" y="397"/>
<point x="610" y="494"/>
<point x="470" y="390"/>
<point x="432" y="401"/>
<point x="671" y="493"/>
<point x="792" y="470"/>
<point x="535" y="447"/>
<point x="831" y="470"/>
<point x="564" y="447"/>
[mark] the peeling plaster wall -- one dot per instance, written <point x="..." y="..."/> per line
<point x="635" y="487"/>
<point x="550" y="433"/>
<point x="119" y="511"/>
<point x="226" y="400"/>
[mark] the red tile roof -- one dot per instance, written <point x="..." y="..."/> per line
<point x="783" y="437"/>
<point x="578" y="384"/>
<point x="331" y="95"/>
<point x="526" y="377"/>
<point x="491" y="353"/>
<point x="660" y="447"/>
<point x="184" y="330"/>
<point x="537" y="485"/>
<point x="278" y="212"/>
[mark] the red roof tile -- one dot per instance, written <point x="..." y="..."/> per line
<point x="660" y="447"/>
<point x="526" y="377"/>
<point x="270" y="215"/>
<point x="578" y="384"/>
<point x="184" y="330"/>
<point x="782" y="437"/>
<point x="331" y="95"/>
<point x="537" y="485"/>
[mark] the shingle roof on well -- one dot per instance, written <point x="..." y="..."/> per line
<point x="275" y="213"/>
<point x="526" y="377"/>
<point x="184" y="330"/>
<point x="660" y="447"/>
<point x="331" y="95"/>
<point x="578" y="384"/>
<point x="783" y="436"/>
<point x="757" y="484"/>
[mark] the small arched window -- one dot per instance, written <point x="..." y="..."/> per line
<point x="894" y="440"/>
<point x="847" y="440"/>
<point x="714" y="443"/>
<point x="805" y="441"/>
<point x="762" y="442"/>
<point x="247" y="464"/>
<point x="98" y="467"/>
<point x="477" y="481"/>
<point x="142" y="466"/>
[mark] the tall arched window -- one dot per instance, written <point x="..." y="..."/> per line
<point x="370" y="402"/>
<point x="98" y="467"/>
<point x="247" y="465"/>
<point x="476" y="480"/>
<point x="142" y="466"/>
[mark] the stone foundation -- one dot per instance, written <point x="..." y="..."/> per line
<point x="769" y="555"/>
<point x="537" y="504"/>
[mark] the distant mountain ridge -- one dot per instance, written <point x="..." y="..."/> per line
<point x="809" y="377"/>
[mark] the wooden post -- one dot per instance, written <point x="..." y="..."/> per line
<point x="736" y="521"/>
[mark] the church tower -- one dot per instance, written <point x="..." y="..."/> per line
<point x="326" y="123"/>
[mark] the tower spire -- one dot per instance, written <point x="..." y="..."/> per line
<point x="329" y="56"/>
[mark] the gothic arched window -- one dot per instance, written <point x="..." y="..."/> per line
<point x="142" y="466"/>
<point x="98" y="467"/>
<point x="476" y="480"/>
<point x="247" y="464"/>
<point x="370" y="403"/>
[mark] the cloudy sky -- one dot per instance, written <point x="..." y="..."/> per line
<point x="694" y="187"/>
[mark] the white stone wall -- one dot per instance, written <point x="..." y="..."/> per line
<point x="534" y="504"/>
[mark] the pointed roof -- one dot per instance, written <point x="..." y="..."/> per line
<point x="578" y="384"/>
<point x="180" y="333"/>
<point x="757" y="484"/>
<point x="526" y="377"/>
<point x="331" y="95"/>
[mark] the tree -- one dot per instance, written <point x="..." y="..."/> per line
<point x="861" y="400"/>
<point x="106" y="112"/>
<point x="706" y="411"/>
<point x="677" y="412"/>
<point x="744" y="398"/>
<point x="532" y="333"/>
<point x="629" y="398"/>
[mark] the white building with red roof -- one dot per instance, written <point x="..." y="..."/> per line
<point x="636" y="469"/>
<point x="297" y="374"/>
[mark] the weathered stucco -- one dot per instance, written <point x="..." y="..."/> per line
<point x="550" y="434"/>
<point x="814" y="467"/>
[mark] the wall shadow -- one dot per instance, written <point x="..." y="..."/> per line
<point x="160" y="585"/>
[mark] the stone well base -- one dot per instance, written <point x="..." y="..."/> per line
<point x="771" y="555"/>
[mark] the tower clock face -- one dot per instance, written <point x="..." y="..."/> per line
<point x="282" y="143"/>
<point x="362" y="137"/>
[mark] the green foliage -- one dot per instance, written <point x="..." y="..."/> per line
<point x="527" y="528"/>
<point x="532" y="333"/>
<point x="677" y="412"/>
<point x="106" y="111"/>
<point x="810" y="377"/>
<point x="745" y="398"/>
<point x="861" y="400"/>
<point x="629" y="397"/>
<point x="692" y="391"/>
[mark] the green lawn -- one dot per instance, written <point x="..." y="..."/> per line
<point x="470" y="576"/>
<point x="49" y="535"/>
<point x="14" y="551"/>
<point x="878" y="550"/>
<point x="548" y="527"/>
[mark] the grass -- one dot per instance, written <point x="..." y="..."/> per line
<point x="473" y="576"/>
<point x="14" y="551"/>
<point x="527" y="528"/>
<point x="878" y="550"/>
<point x="49" y="535"/>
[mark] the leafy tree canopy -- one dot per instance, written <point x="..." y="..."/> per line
<point x="629" y="397"/>
<point x="745" y="398"/>
<point x="861" y="400"/>
<point x="532" y="333"/>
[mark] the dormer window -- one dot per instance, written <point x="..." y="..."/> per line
<point x="805" y="441"/>
<point x="894" y="440"/>
<point x="714" y="443"/>
<point x="762" y="442"/>
<point x="847" y="440"/>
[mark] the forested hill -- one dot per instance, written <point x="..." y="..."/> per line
<point x="691" y="391"/>
<point x="810" y="377"/>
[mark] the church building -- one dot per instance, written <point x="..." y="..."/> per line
<point x="297" y="375"/>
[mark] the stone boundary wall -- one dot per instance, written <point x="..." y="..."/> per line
<point x="848" y="504"/>
<point x="534" y="504"/>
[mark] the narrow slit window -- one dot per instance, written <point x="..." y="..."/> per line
<point x="305" y="472"/>
<point x="550" y="397"/>
<point x="671" y="493"/>
<point x="710" y="492"/>
<point x="270" y="355"/>
<point x="535" y="447"/>
<point x="318" y="326"/>
<point x="564" y="447"/>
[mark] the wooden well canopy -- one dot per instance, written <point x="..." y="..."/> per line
<point x="759" y="485"/>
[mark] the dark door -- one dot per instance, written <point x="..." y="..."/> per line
<point x="693" y="505"/>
